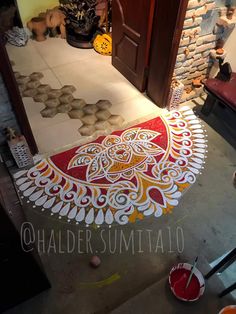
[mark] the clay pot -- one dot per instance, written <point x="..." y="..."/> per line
<point x="230" y="13"/>
<point x="197" y="83"/>
<point x="220" y="51"/>
<point x="56" y="18"/>
<point x="38" y="27"/>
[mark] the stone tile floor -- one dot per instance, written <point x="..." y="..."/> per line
<point x="93" y="78"/>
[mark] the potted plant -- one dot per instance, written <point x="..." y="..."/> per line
<point x="81" y="22"/>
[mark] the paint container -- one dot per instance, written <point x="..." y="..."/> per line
<point x="178" y="278"/>
<point x="230" y="309"/>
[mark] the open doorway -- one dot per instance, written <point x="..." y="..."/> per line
<point x="69" y="93"/>
<point x="60" y="86"/>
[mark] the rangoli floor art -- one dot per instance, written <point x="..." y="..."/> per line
<point x="123" y="177"/>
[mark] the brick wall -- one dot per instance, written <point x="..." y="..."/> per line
<point x="204" y="24"/>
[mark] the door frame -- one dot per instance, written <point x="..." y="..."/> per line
<point x="156" y="45"/>
<point x="131" y="42"/>
<point x="161" y="65"/>
<point x="15" y="97"/>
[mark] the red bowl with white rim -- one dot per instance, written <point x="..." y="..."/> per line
<point x="178" y="279"/>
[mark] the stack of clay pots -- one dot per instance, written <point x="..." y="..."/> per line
<point x="49" y="20"/>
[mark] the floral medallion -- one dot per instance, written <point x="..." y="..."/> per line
<point x="119" y="178"/>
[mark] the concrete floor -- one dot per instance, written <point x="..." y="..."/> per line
<point x="205" y="216"/>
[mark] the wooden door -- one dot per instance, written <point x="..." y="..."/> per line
<point x="15" y="97"/>
<point x="167" y="28"/>
<point x="131" y="33"/>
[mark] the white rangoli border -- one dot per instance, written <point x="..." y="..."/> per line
<point x="116" y="206"/>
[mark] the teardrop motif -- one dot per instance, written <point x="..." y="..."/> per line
<point x="109" y="217"/>
<point x="57" y="207"/>
<point x="64" y="211"/>
<point x="25" y="186"/>
<point x="33" y="197"/>
<point x="80" y="216"/>
<point x="90" y="217"/>
<point x="29" y="191"/>
<point x="49" y="203"/>
<point x="21" y="180"/>
<point x="100" y="217"/>
<point x="73" y="213"/>
<point x="41" y="200"/>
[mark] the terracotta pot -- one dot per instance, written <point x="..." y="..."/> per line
<point x="230" y="13"/>
<point x="56" y="18"/>
<point x="197" y="83"/>
<point x="220" y="51"/>
<point x="38" y="27"/>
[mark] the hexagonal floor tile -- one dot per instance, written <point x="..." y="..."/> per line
<point x="76" y="114"/>
<point x="89" y="119"/>
<point x="44" y="88"/>
<point x="48" y="112"/>
<point x="90" y="109"/>
<point x="115" y="120"/>
<point x="35" y="76"/>
<point x="40" y="97"/>
<point x="54" y="93"/>
<point x="68" y="89"/>
<point x="102" y="125"/>
<point x="52" y="103"/>
<point x="78" y="103"/>
<point x="103" y="104"/>
<point x="64" y="108"/>
<point x="66" y="98"/>
<point x="87" y="130"/>
<point x="103" y="115"/>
